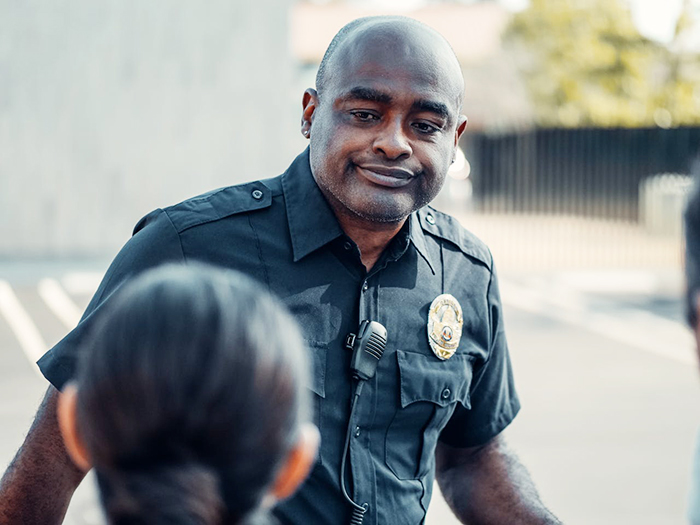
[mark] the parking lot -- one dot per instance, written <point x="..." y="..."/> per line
<point x="604" y="367"/>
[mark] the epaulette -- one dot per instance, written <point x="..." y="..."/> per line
<point x="221" y="203"/>
<point x="448" y="228"/>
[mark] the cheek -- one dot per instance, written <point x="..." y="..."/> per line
<point x="437" y="162"/>
<point x="328" y="138"/>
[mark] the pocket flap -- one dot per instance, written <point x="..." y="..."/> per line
<point x="426" y="378"/>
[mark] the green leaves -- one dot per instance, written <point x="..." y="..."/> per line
<point x="586" y="64"/>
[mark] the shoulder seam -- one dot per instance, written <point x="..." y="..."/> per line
<point x="468" y="243"/>
<point x="213" y="211"/>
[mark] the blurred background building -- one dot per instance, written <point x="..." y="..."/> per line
<point x="110" y="109"/>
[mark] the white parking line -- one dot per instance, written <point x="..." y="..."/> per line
<point x="629" y="326"/>
<point x="81" y="283"/>
<point x="59" y="302"/>
<point x="22" y="325"/>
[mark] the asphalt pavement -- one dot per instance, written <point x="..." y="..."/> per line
<point x="604" y="366"/>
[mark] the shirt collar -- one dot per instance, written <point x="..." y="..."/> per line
<point x="418" y="239"/>
<point x="312" y="223"/>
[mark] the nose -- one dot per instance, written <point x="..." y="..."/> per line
<point x="392" y="141"/>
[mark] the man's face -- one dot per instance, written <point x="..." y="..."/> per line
<point x="385" y="127"/>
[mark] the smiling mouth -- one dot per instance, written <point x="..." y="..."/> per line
<point x="387" y="177"/>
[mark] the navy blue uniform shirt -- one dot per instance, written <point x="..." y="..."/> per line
<point x="282" y="232"/>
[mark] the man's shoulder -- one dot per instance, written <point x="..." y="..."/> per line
<point x="221" y="203"/>
<point x="446" y="227"/>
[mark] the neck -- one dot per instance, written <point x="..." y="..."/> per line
<point x="371" y="237"/>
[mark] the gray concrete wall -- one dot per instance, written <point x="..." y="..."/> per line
<point x="111" y="108"/>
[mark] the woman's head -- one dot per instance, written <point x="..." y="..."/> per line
<point x="189" y="399"/>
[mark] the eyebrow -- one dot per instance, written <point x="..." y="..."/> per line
<point x="433" y="107"/>
<point x="375" y="95"/>
<point x="369" y="94"/>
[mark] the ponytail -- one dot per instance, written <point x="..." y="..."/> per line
<point x="186" y="494"/>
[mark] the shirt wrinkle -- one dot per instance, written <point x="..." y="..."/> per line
<point x="182" y="250"/>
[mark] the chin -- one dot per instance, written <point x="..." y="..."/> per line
<point x="384" y="212"/>
<point x="382" y="219"/>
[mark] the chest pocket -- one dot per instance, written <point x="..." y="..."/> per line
<point x="429" y="392"/>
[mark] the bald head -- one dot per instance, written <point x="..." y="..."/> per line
<point x="390" y="38"/>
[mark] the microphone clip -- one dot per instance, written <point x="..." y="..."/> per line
<point x="367" y="348"/>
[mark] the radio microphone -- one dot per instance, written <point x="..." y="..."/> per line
<point x="367" y="349"/>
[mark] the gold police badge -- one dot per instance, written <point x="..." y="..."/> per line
<point x="444" y="325"/>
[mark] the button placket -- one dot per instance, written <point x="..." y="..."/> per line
<point x="360" y="455"/>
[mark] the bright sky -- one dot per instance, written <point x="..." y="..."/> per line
<point x="656" y="19"/>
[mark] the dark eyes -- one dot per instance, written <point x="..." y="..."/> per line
<point x="421" y="127"/>
<point x="364" y="116"/>
<point x="424" y="127"/>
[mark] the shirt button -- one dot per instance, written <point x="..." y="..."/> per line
<point x="365" y="286"/>
<point x="446" y="393"/>
<point x="357" y="432"/>
<point x="257" y="194"/>
<point x="430" y="219"/>
<point x="347" y="245"/>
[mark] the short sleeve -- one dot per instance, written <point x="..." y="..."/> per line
<point x="494" y="401"/>
<point x="155" y="241"/>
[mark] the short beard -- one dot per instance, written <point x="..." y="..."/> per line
<point x="386" y="214"/>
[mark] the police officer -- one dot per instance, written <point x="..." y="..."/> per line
<point x="345" y="235"/>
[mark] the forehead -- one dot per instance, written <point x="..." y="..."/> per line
<point x="405" y="61"/>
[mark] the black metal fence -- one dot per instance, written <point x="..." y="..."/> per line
<point x="581" y="172"/>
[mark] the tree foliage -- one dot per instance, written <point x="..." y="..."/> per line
<point x="586" y="64"/>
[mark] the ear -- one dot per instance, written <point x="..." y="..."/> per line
<point x="67" y="422"/>
<point x="461" y="126"/>
<point x="309" y="104"/>
<point x="298" y="463"/>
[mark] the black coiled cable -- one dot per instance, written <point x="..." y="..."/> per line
<point x="358" y="515"/>
<point x="358" y="511"/>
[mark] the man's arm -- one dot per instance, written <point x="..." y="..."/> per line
<point x="38" y="484"/>
<point x="488" y="485"/>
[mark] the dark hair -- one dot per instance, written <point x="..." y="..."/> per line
<point x="190" y="395"/>
<point x="338" y="39"/>
<point x="692" y="248"/>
